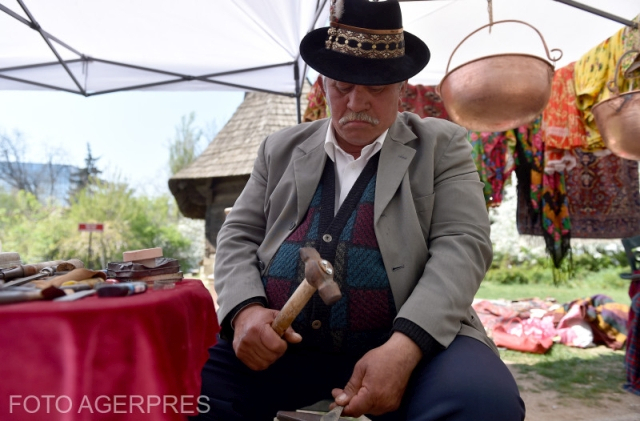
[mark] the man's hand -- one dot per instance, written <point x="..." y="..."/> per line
<point x="380" y="378"/>
<point x="254" y="341"/>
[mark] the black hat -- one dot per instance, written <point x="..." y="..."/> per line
<point x="365" y="44"/>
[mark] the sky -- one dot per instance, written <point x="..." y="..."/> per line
<point x="128" y="131"/>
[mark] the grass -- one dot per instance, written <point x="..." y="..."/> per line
<point x="571" y="372"/>
<point x="606" y="282"/>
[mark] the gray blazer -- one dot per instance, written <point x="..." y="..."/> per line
<point x="430" y="220"/>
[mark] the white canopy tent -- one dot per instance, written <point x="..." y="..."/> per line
<point x="90" y="47"/>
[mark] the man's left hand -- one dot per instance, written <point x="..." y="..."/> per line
<point x="380" y="378"/>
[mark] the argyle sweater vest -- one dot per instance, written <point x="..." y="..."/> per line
<point x="363" y="318"/>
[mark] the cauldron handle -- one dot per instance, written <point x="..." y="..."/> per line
<point x="613" y="84"/>
<point x="505" y="21"/>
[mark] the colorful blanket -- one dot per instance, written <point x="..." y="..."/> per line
<point x="579" y="323"/>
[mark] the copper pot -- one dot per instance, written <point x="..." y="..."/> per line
<point x="618" y="119"/>
<point x="498" y="92"/>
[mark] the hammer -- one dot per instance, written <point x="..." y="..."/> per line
<point x="318" y="277"/>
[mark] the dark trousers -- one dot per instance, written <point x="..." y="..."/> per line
<point x="467" y="381"/>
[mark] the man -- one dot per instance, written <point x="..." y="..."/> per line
<point x="395" y="204"/>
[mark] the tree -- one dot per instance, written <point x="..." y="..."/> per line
<point x="185" y="146"/>
<point x="83" y="177"/>
<point x="49" y="231"/>
<point x="19" y="172"/>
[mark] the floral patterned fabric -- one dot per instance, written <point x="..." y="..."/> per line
<point x="317" y="106"/>
<point x="603" y="196"/>
<point x="562" y="125"/>
<point x="544" y="195"/>
<point x="493" y="156"/>
<point x="424" y="101"/>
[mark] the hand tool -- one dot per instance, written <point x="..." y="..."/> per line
<point x="43" y="273"/>
<point x="121" y="289"/>
<point x="22" y="271"/>
<point x="318" y="277"/>
<point x="333" y="415"/>
<point x="27" y="273"/>
<point x="11" y="296"/>
<point x="76" y="287"/>
<point x="76" y="295"/>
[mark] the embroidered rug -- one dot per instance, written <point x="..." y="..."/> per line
<point x="603" y="198"/>
<point x="424" y="101"/>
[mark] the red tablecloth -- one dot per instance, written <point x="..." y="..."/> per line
<point x="127" y="358"/>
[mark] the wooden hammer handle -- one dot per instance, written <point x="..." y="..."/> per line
<point x="293" y="307"/>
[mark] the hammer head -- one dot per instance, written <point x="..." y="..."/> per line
<point x="319" y="273"/>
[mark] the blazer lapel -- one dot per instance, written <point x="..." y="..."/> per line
<point x="395" y="158"/>
<point x="308" y="168"/>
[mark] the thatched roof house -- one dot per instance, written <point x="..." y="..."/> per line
<point x="215" y="179"/>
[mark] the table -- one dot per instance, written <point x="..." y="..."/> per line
<point x="127" y="358"/>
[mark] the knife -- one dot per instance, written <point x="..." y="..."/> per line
<point x="76" y="295"/>
<point x="333" y="415"/>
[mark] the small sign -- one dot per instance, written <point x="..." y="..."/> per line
<point x="91" y="227"/>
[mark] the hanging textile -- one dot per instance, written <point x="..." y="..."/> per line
<point x="317" y="106"/>
<point x="562" y="125"/>
<point x="424" y="101"/>
<point x="593" y="72"/>
<point x="603" y="198"/>
<point x="493" y="156"/>
<point x="544" y="202"/>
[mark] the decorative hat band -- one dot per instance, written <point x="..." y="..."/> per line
<point x="367" y="43"/>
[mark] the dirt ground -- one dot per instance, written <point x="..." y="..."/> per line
<point x="545" y="405"/>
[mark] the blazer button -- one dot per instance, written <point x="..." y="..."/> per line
<point x="261" y="264"/>
<point x="292" y="226"/>
<point x="327" y="238"/>
<point x="316" y="324"/>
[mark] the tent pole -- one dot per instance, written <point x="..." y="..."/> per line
<point x="296" y="76"/>
<point x="599" y="13"/>
<point x="36" y="27"/>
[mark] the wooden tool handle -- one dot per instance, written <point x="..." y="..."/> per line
<point x="7" y="297"/>
<point x="293" y="307"/>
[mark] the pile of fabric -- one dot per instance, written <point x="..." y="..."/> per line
<point x="581" y="323"/>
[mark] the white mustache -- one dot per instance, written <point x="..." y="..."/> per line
<point x="361" y="116"/>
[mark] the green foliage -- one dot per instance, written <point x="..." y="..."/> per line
<point x="46" y="231"/>
<point x="520" y="275"/>
<point x="526" y="275"/>
<point x="527" y="268"/>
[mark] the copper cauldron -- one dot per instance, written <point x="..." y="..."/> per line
<point x="498" y="92"/>
<point x="618" y="119"/>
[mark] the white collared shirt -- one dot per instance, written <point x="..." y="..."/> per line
<point x="348" y="169"/>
